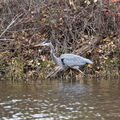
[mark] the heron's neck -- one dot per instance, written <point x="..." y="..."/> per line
<point x="56" y="60"/>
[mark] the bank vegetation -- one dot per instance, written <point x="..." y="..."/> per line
<point x="90" y="28"/>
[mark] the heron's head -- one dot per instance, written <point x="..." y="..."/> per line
<point x="45" y="43"/>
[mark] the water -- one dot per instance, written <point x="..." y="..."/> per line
<point x="60" y="100"/>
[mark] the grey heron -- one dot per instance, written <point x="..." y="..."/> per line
<point x="66" y="60"/>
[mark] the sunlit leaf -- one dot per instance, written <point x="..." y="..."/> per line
<point x="88" y="2"/>
<point x="26" y="40"/>
<point x="61" y="23"/>
<point x="96" y="72"/>
<point x="118" y="8"/>
<point x="114" y="1"/>
<point x="113" y="50"/>
<point x="106" y="39"/>
<point x="90" y="15"/>
<point x="53" y="11"/>
<point x="45" y="15"/>
<point x="23" y="37"/>
<point x="100" y="51"/>
<point x="90" y="51"/>
<point x="86" y="19"/>
<point x="71" y="3"/>
<point x="1" y="6"/>
<point x="105" y="58"/>
<point x="114" y="40"/>
<point x="43" y="19"/>
<point x="98" y="68"/>
<point x="89" y="65"/>
<point x="95" y="1"/>
<point x="38" y="10"/>
<point x="113" y="45"/>
<point x="2" y="26"/>
<point x="4" y="53"/>
<point x="109" y="44"/>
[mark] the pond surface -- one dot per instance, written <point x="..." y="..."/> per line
<point x="60" y="100"/>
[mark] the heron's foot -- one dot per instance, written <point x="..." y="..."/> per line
<point x="84" y="75"/>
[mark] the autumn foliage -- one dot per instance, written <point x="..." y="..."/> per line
<point x="68" y="24"/>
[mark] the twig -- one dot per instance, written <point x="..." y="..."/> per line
<point x="14" y="19"/>
<point x="54" y="72"/>
<point x="6" y="39"/>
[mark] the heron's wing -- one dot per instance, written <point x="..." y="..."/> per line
<point x="72" y="60"/>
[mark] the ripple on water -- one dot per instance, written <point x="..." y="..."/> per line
<point x="62" y="101"/>
<point x="6" y="107"/>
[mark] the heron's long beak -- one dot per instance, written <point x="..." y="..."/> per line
<point x="39" y="45"/>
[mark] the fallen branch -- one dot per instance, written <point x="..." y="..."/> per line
<point x="6" y="39"/>
<point x="54" y="72"/>
<point x="82" y="51"/>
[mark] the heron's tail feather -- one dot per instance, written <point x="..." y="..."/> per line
<point x="88" y="61"/>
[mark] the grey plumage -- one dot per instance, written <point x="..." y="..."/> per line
<point x="74" y="61"/>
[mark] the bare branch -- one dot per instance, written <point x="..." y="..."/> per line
<point x="14" y="19"/>
<point x="6" y="39"/>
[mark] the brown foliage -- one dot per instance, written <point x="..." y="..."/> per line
<point x="68" y="24"/>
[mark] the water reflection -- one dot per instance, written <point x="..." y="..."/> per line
<point x="90" y="99"/>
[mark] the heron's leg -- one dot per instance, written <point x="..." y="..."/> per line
<point x="71" y="72"/>
<point x="81" y="71"/>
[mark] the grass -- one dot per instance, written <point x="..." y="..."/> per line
<point x="13" y="69"/>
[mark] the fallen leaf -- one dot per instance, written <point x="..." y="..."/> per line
<point x="71" y="3"/>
